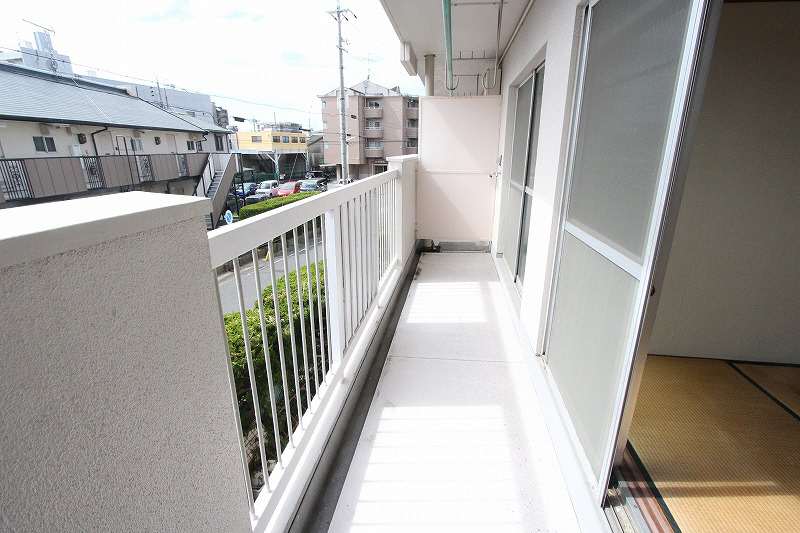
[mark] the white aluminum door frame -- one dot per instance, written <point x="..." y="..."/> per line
<point x="698" y="17"/>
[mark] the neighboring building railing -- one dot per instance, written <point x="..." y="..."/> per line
<point x="15" y="182"/>
<point x="291" y="349"/>
<point x="94" y="172"/>
<point x="42" y="177"/>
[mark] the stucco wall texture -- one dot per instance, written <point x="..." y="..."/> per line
<point x="116" y="411"/>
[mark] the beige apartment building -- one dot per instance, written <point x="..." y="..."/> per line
<point x="381" y="123"/>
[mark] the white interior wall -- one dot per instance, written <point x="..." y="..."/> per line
<point x="731" y="287"/>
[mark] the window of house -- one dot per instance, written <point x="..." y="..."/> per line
<point x="256" y="138"/>
<point x="44" y="144"/>
<point x="412" y="123"/>
<point x="373" y="144"/>
<point x="324" y="104"/>
<point x="294" y="139"/>
<point x="411" y="143"/>
<point x="373" y="104"/>
<point x="199" y="146"/>
<point x="412" y="104"/>
<point x="285" y="139"/>
<point x="218" y="143"/>
<point x="324" y="125"/>
<point x="373" y="124"/>
<point x="136" y="145"/>
<point x="190" y="145"/>
<point x="326" y="145"/>
<point x="302" y="139"/>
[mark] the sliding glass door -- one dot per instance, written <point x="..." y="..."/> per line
<point x="523" y="168"/>
<point x="637" y="65"/>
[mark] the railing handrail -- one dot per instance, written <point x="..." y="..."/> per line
<point x="237" y="239"/>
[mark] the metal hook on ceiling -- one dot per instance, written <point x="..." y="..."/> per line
<point x="450" y="78"/>
<point x="496" y="52"/>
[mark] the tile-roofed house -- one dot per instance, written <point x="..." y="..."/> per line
<point x="27" y="94"/>
<point x="63" y="136"/>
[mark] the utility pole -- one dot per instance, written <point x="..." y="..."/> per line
<point x="338" y="14"/>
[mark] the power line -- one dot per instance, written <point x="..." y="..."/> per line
<point x="153" y="84"/>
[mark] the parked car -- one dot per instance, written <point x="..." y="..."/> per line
<point x="233" y="202"/>
<point x="314" y="174"/>
<point x="318" y="184"/>
<point x="243" y="190"/>
<point x="255" y="198"/>
<point x="269" y="187"/>
<point x="290" y="187"/>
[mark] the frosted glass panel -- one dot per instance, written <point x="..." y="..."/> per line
<point x="630" y="78"/>
<point x="590" y="327"/>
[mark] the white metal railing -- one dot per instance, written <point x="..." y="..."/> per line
<point x="290" y="349"/>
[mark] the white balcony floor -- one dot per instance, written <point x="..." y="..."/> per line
<point x="455" y="439"/>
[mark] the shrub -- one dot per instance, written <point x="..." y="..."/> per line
<point x="233" y="327"/>
<point x="273" y="203"/>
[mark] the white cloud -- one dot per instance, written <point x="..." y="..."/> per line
<point x="274" y="52"/>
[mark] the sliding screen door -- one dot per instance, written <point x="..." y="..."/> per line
<point x="637" y="62"/>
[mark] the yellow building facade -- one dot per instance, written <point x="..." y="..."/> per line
<point x="272" y="141"/>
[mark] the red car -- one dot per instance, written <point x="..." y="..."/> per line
<point x="290" y="187"/>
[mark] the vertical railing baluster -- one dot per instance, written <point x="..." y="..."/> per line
<point x="351" y="217"/>
<point x="301" y="307"/>
<point x="333" y="286"/>
<point x="267" y="358"/>
<point x="311" y="303"/>
<point x="290" y="318"/>
<point x="323" y="338"/>
<point x="359" y="248"/>
<point x="251" y="370"/>
<point x="345" y="238"/>
<point x="369" y="246"/>
<point x="279" y="328"/>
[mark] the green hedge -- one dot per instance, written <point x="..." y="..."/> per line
<point x="273" y="203"/>
<point x="233" y="327"/>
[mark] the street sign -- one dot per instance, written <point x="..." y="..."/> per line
<point x="228" y="217"/>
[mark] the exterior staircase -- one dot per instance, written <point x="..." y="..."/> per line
<point x="218" y="190"/>
<point x="212" y="192"/>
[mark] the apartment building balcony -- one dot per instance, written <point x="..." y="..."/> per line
<point x="373" y="152"/>
<point x="32" y="179"/>
<point x="373" y="112"/>
<point x="412" y="132"/>
<point x="373" y="133"/>
<point x="412" y="112"/>
<point x="326" y="407"/>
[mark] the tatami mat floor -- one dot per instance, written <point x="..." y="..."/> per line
<point x="720" y="443"/>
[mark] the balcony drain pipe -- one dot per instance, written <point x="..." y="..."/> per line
<point x="94" y="142"/>
<point x="448" y="47"/>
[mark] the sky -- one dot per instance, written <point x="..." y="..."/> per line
<point x="258" y="59"/>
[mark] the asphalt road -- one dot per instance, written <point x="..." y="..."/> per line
<point x="227" y="282"/>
